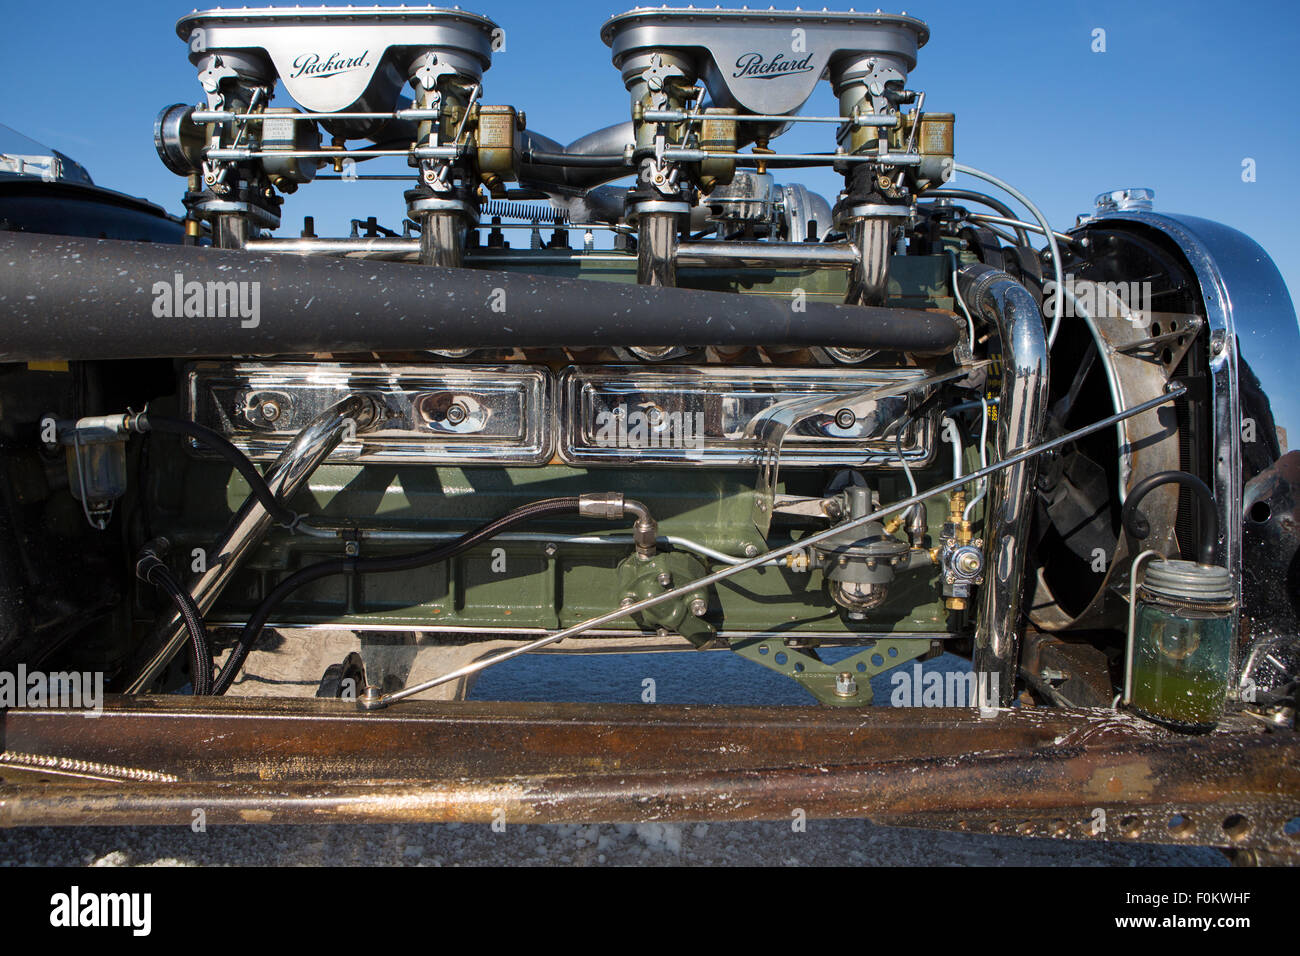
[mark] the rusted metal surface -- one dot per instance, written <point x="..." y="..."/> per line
<point x="1035" y="771"/>
<point x="1068" y="673"/>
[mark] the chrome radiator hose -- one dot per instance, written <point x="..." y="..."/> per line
<point x="1001" y="300"/>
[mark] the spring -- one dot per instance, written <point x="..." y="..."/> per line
<point x="528" y="212"/>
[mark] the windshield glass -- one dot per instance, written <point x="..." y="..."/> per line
<point x="23" y="156"/>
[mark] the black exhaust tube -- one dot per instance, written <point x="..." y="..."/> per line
<point x="70" y="298"/>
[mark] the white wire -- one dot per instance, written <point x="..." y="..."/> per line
<point x="1047" y="229"/>
<point x="954" y="437"/>
<point x="956" y="292"/>
<point x="984" y="405"/>
<point x="984" y="456"/>
<point x="911" y="482"/>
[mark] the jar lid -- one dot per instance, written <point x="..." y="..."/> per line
<point x="1188" y="581"/>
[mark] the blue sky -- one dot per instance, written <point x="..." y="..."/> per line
<point x="1183" y="94"/>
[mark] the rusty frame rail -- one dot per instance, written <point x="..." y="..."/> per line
<point x="1079" y="774"/>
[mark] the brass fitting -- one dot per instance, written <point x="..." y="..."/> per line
<point x="956" y="509"/>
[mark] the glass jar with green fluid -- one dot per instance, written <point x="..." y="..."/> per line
<point x="1182" y="644"/>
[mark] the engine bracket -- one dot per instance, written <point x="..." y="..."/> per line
<point x="845" y="683"/>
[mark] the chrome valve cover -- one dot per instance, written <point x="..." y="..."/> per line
<point x="431" y="415"/>
<point x="527" y="414"/>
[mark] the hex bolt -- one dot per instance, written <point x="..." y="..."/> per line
<point x="699" y="607"/>
<point x="665" y="580"/>
<point x="846" y="685"/>
<point x="550" y="550"/>
<point x="270" y="410"/>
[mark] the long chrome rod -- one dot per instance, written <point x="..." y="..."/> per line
<point x="379" y="701"/>
<point x="734" y="254"/>
<point x="286" y="476"/>
<point x="681" y="116"/>
<point x="1019" y="224"/>
<point x="532" y="537"/>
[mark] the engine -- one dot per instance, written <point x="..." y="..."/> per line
<point x="641" y="391"/>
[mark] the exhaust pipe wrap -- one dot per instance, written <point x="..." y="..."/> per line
<point x="85" y="299"/>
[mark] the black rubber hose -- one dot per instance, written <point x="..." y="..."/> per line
<point x="152" y="570"/>
<point x="1138" y="527"/>
<point x="578" y="160"/>
<point x="398" y="562"/>
<point x="969" y="195"/>
<point x="217" y="443"/>
<point x="972" y="196"/>
<point x="296" y="305"/>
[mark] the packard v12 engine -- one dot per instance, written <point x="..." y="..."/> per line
<point x="835" y="435"/>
